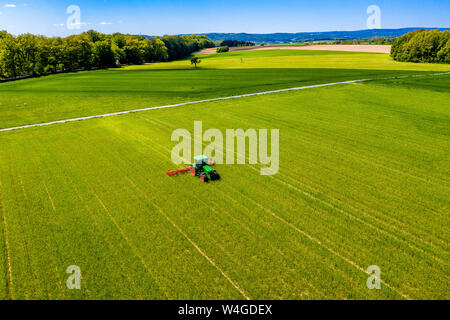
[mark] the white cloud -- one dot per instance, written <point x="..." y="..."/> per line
<point x="59" y="25"/>
<point x="10" y="5"/>
<point x="81" y="24"/>
<point x="105" y="23"/>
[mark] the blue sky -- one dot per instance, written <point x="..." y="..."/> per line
<point x="158" y="17"/>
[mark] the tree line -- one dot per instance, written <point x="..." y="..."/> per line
<point x="374" y="40"/>
<point x="222" y="49"/>
<point x="236" y="43"/>
<point x="31" y="55"/>
<point x="423" y="46"/>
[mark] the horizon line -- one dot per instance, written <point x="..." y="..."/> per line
<point x="248" y="33"/>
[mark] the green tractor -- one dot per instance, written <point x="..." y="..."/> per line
<point x="202" y="169"/>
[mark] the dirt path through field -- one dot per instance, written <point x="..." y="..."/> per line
<point x="325" y="47"/>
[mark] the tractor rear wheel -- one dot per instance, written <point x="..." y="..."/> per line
<point x="215" y="175"/>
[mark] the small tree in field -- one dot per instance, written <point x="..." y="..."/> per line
<point x="222" y="49"/>
<point x="195" y="61"/>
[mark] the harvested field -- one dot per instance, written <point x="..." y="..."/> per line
<point x="344" y="47"/>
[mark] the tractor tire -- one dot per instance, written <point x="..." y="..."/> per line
<point x="204" y="178"/>
<point x="215" y="175"/>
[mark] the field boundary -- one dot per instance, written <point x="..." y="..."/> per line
<point x="358" y="48"/>
<point x="212" y="100"/>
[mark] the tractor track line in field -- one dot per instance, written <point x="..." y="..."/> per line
<point x="25" y="239"/>
<point x="122" y="233"/>
<point x="7" y="249"/>
<point x="58" y="219"/>
<point x="91" y="216"/>
<point x="119" y="261"/>
<point x="211" y="100"/>
<point x="48" y="241"/>
<point x="87" y="208"/>
<point x="59" y="281"/>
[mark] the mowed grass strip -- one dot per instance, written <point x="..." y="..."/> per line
<point x="362" y="181"/>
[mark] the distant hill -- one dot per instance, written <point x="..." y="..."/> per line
<point x="312" y="36"/>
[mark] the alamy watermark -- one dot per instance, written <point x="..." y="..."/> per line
<point x="74" y="280"/>
<point x="229" y="147"/>
<point x="374" y="20"/>
<point x="374" y="280"/>
<point x="74" y="20"/>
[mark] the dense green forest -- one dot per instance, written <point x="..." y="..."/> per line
<point x="222" y="49"/>
<point x="31" y="55"/>
<point x="423" y="46"/>
<point x="236" y="43"/>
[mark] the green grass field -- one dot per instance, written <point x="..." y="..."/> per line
<point x="364" y="180"/>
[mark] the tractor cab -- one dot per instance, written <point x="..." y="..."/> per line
<point x="198" y="166"/>
<point x="200" y="160"/>
<point x="202" y="168"/>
